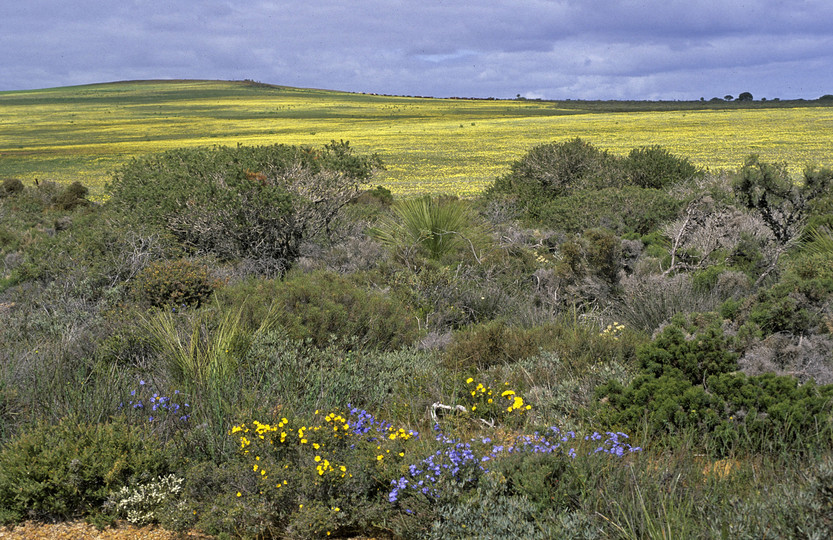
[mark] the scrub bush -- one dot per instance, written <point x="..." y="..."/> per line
<point x="656" y="167"/>
<point x="173" y="283"/>
<point x="689" y="383"/>
<point x="325" y="307"/>
<point x="246" y="203"/>
<point x="64" y="470"/>
<point x="10" y="186"/>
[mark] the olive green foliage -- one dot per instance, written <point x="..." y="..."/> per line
<point x="178" y="283"/>
<point x="65" y="470"/>
<point x="574" y="186"/>
<point x="557" y="169"/>
<point x="252" y="203"/>
<point x="656" y="167"/>
<point x="72" y="196"/>
<point x="624" y="210"/>
<point x="10" y="186"/>
<point x="493" y="343"/>
<point x="797" y="302"/>
<point x="326" y="308"/>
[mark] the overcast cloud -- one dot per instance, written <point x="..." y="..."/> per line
<point x="554" y="49"/>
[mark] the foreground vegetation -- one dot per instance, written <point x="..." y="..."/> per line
<point x="430" y="146"/>
<point x="257" y="342"/>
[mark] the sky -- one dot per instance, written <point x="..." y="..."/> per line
<point x="549" y="49"/>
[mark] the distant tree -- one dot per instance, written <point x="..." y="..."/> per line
<point x="745" y="96"/>
<point x="728" y="97"/>
<point x="826" y="97"/>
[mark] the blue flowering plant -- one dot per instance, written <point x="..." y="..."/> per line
<point x="165" y="411"/>
<point x="458" y="465"/>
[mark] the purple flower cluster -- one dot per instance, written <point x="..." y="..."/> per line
<point x="462" y="462"/>
<point x="157" y="406"/>
<point x="363" y="423"/>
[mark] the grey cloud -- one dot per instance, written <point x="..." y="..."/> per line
<point x="562" y="48"/>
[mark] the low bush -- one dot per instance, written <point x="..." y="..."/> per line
<point x="553" y="170"/>
<point x="689" y="383"/>
<point x="628" y="209"/>
<point x="72" y="196"/>
<point x="68" y="469"/>
<point x="10" y="186"/>
<point x="493" y="343"/>
<point x="325" y="307"/>
<point x="175" y="283"/>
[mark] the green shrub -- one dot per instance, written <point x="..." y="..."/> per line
<point x="493" y="343"/>
<point x="72" y="196"/>
<point x="656" y="167"/>
<point x="64" y="470"/>
<point x="553" y="170"/>
<point x="252" y="203"/>
<point x="324" y="306"/>
<point x="10" y="186"/>
<point x="623" y="210"/>
<point x="173" y="283"/>
<point x="795" y="303"/>
<point x="688" y="384"/>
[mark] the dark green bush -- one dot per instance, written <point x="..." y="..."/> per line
<point x="796" y="302"/>
<point x="656" y="167"/>
<point x="245" y="203"/>
<point x="173" y="283"/>
<point x="688" y="384"/>
<point x="64" y="470"/>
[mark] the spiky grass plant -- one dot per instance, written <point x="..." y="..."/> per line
<point x="432" y="227"/>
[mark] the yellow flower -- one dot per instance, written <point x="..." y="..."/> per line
<point x="380" y="457"/>
<point x="239" y="494"/>
<point x="469" y="380"/>
<point x="317" y="458"/>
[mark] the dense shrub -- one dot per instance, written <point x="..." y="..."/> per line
<point x="492" y="343"/>
<point x="325" y="307"/>
<point x="72" y="196"/>
<point x="552" y="170"/>
<point x="173" y="283"/>
<point x="797" y="302"/>
<point x="656" y="167"/>
<point x="622" y="210"/>
<point x="689" y="383"/>
<point x="10" y="186"/>
<point x="252" y="203"/>
<point x="68" y="469"/>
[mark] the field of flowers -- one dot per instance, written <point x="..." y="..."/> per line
<point x="428" y="145"/>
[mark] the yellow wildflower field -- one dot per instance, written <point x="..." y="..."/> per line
<point x="428" y="145"/>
